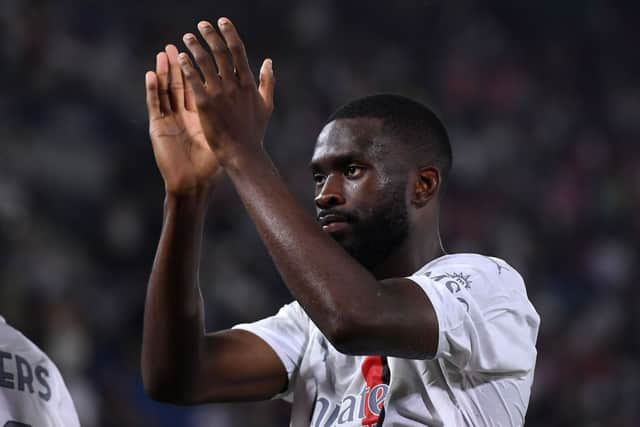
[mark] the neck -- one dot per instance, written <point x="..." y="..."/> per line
<point x="418" y="249"/>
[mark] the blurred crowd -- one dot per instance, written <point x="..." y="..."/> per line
<point x="542" y="102"/>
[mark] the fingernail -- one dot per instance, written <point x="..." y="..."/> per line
<point x="189" y="37"/>
<point x="205" y="26"/>
<point x="223" y="21"/>
<point x="182" y="58"/>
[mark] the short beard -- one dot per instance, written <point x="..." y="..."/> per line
<point x="381" y="231"/>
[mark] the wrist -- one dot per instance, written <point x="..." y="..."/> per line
<point x="242" y="159"/>
<point x="195" y="199"/>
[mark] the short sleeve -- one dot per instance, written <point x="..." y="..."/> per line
<point x="66" y="409"/>
<point x="486" y="322"/>
<point x="286" y="333"/>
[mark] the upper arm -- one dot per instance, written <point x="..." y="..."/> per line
<point x="485" y="320"/>
<point x="399" y="320"/>
<point x="237" y="365"/>
<point x="477" y="319"/>
<point x="253" y="361"/>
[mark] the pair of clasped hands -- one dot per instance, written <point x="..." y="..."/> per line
<point x="203" y="122"/>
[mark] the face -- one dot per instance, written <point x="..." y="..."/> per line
<point x="361" y="188"/>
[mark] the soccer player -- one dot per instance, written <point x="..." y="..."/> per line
<point x="385" y="328"/>
<point x="32" y="392"/>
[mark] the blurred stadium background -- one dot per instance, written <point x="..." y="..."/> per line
<point x="542" y="100"/>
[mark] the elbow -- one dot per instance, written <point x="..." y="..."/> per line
<point x="160" y="394"/>
<point x="346" y="335"/>
<point x="157" y="389"/>
<point x="166" y="393"/>
<point x="156" y="392"/>
<point x="345" y="345"/>
<point x="164" y="388"/>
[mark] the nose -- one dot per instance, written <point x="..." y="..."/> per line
<point x="330" y="194"/>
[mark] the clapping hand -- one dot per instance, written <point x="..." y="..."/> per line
<point x="185" y="160"/>
<point x="233" y="110"/>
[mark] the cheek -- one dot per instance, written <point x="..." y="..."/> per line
<point x="365" y="196"/>
<point x="364" y="190"/>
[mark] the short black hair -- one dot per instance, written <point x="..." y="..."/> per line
<point x="413" y="122"/>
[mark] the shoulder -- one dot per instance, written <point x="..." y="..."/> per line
<point x="485" y="320"/>
<point x="470" y="270"/>
<point x="30" y="374"/>
<point x="468" y="261"/>
<point x="295" y="312"/>
<point x="17" y="349"/>
<point x="289" y="322"/>
<point x="13" y="341"/>
<point x="488" y="285"/>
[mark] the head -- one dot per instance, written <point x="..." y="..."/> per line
<point x="379" y="165"/>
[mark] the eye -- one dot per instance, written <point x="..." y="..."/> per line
<point x="318" y="179"/>
<point x="353" y="171"/>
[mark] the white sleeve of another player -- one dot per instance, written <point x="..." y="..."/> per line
<point x="66" y="408"/>
<point x="286" y="333"/>
<point x="34" y="392"/>
<point x="486" y="322"/>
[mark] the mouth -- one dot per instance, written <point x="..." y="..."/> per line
<point x="333" y="222"/>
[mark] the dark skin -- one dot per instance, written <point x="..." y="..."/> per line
<point x="353" y="169"/>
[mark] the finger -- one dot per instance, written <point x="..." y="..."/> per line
<point x="203" y="60"/>
<point x="176" y="84"/>
<point x="189" y="96"/>
<point x="162" y="72"/>
<point x="267" y="83"/>
<point x="153" y="101"/>
<point x="193" y="79"/>
<point x="238" y="52"/>
<point x="218" y="47"/>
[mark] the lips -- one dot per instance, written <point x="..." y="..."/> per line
<point x="335" y="227"/>
<point x="333" y="222"/>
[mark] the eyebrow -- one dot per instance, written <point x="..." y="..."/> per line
<point x="338" y="159"/>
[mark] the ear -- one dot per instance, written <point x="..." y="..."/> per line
<point x="426" y="185"/>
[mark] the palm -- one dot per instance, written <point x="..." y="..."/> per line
<point x="181" y="150"/>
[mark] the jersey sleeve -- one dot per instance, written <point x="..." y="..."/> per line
<point x="36" y="394"/>
<point x="485" y="320"/>
<point x="66" y="409"/>
<point x="287" y="333"/>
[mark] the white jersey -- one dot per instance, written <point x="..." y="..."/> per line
<point x="32" y="392"/>
<point x="481" y="374"/>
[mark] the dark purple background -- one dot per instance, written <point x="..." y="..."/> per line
<point x="543" y="105"/>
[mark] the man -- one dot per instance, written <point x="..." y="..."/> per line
<point x="385" y="328"/>
<point x="32" y="392"/>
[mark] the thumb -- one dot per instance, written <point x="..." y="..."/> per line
<point x="267" y="83"/>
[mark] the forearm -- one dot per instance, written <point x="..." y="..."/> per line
<point x="316" y="269"/>
<point x="173" y="319"/>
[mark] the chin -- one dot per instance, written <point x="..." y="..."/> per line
<point x="341" y="237"/>
<point x="344" y="240"/>
<point x="355" y="248"/>
<point x="356" y="252"/>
